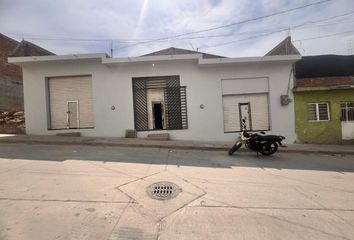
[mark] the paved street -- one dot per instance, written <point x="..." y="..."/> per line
<point x="86" y="192"/>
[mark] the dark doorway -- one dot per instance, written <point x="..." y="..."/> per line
<point x="157" y="113"/>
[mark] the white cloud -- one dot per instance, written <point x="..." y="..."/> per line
<point x="105" y="19"/>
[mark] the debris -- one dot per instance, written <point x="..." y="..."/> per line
<point x="12" y="121"/>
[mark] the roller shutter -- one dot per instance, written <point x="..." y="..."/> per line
<point x="66" y="89"/>
<point x="258" y="111"/>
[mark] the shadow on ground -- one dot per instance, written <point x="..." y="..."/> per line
<point x="179" y="158"/>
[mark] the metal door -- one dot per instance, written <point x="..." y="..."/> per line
<point x="245" y="114"/>
<point x="73" y="114"/>
<point x="347" y="120"/>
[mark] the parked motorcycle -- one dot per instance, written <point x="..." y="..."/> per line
<point x="261" y="143"/>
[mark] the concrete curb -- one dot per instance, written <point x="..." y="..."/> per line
<point x="165" y="146"/>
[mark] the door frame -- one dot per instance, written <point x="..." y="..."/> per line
<point x="78" y="113"/>
<point x="162" y="115"/>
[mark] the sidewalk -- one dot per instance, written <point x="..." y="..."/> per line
<point x="173" y="144"/>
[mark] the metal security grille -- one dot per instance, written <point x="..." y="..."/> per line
<point x="175" y="101"/>
<point x="176" y="108"/>
<point x="317" y="111"/>
<point x="347" y="111"/>
<point x="140" y="104"/>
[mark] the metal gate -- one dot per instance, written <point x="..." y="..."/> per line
<point x="174" y="99"/>
<point x="347" y="120"/>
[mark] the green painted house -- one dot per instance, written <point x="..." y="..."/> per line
<point x="324" y="99"/>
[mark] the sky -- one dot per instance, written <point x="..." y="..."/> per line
<point x="131" y="27"/>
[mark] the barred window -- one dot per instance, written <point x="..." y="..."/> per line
<point x="318" y="112"/>
<point x="347" y="111"/>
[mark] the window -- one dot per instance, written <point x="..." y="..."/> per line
<point x="318" y="112"/>
<point x="347" y="111"/>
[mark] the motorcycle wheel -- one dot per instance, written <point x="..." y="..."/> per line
<point x="270" y="149"/>
<point x="233" y="149"/>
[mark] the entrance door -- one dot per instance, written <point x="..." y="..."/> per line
<point x="245" y="114"/>
<point x="73" y="114"/>
<point x="157" y="114"/>
<point x="347" y="120"/>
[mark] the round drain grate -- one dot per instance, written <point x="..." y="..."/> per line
<point x="163" y="190"/>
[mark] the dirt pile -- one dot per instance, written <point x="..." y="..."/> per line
<point x="12" y="122"/>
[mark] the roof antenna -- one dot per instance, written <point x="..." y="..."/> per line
<point x="289" y="32"/>
<point x="191" y="46"/>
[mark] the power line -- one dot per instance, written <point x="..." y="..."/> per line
<point x="147" y="40"/>
<point x="301" y="26"/>
<point x="59" y="38"/>
<point x="244" y="39"/>
<point x="285" y="29"/>
<point x="56" y="38"/>
<point x="272" y="32"/>
<point x="231" y="24"/>
<point x="323" y="36"/>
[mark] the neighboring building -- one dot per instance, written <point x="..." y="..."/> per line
<point x="188" y="94"/>
<point x="11" y="89"/>
<point x="324" y="99"/>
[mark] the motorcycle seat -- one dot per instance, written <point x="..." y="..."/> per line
<point x="268" y="138"/>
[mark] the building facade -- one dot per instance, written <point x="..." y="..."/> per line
<point x="11" y="89"/>
<point x="190" y="95"/>
<point x="324" y="99"/>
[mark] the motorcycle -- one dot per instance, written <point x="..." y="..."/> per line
<point x="264" y="144"/>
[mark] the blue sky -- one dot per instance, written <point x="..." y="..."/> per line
<point x="58" y="25"/>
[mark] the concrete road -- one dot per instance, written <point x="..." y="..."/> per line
<point x="82" y="192"/>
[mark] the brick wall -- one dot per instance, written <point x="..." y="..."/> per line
<point x="324" y="81"/>
<point x="11" y="93"/>
<point x="11" y="89"/>
<point x="11" y="86"/>
<point x="7" y="45"/>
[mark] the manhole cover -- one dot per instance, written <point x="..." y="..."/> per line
<point x="163" y="190"/>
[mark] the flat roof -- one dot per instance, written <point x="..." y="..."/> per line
<point x="105" y="59"/>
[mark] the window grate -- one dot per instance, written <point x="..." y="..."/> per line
<point x="317" y="112"/>
<point x="347" y="111"/>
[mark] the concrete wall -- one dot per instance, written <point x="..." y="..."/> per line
<point x="325" y="131"/>
<point x="112" y="86"/>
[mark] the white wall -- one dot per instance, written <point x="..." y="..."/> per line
<point x="113" y="86"/>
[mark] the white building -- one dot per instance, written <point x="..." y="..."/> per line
<point x="190" y="95"/>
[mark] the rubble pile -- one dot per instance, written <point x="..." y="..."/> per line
<point x="12" y="122"/>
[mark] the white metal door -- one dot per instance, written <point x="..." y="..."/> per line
<point x="73" y="114"/>
<point x="245" y="116"/>
<point x="347" y="120"/>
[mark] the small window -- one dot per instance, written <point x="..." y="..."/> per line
<point x="318" y="112"/>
